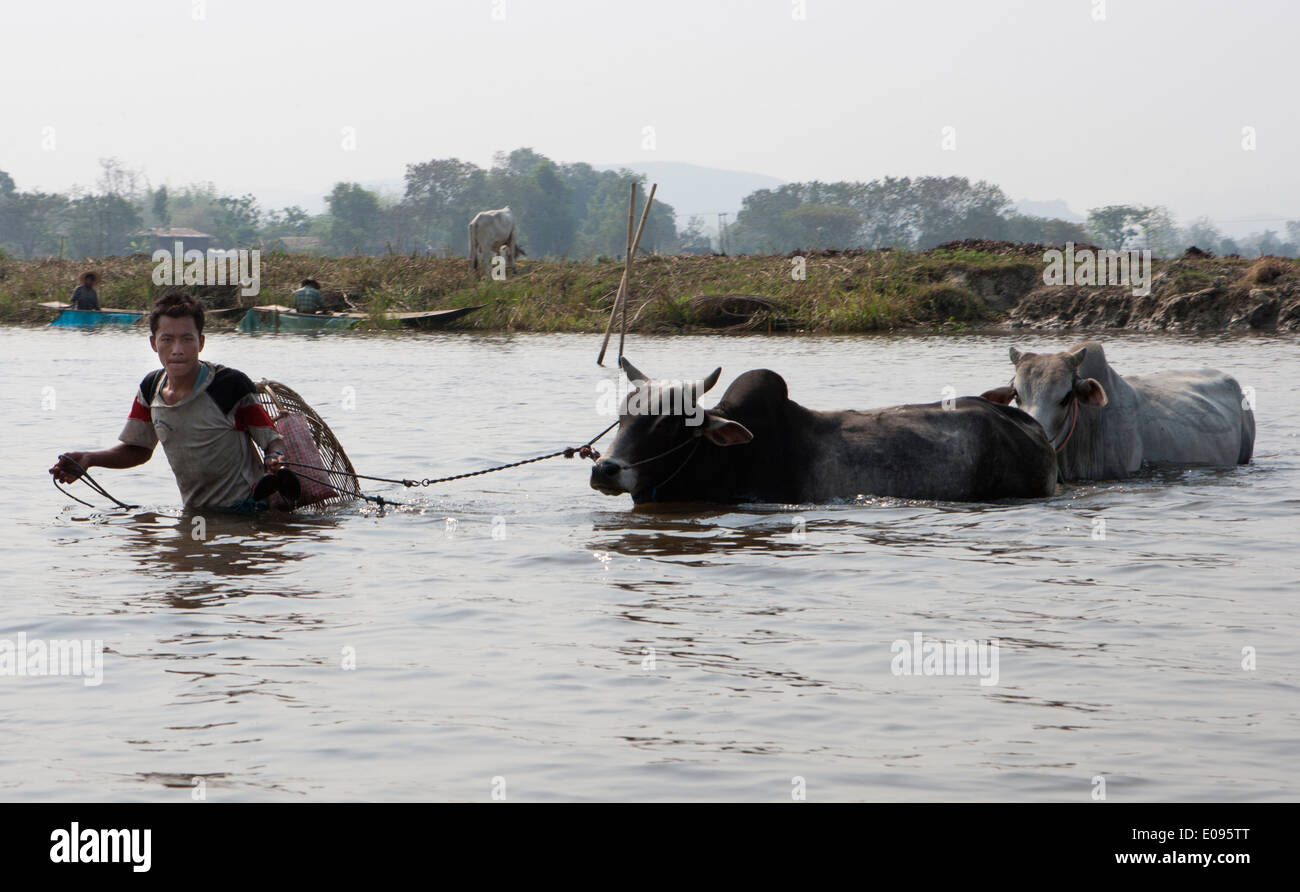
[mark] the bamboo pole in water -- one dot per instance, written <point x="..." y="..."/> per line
<point x="621" y="296"/>
<point x="622" y="282"/>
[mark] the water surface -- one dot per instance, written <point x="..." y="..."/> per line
<point x="590" y="651"/>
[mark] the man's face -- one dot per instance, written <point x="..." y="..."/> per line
<point x="177" y="343"/>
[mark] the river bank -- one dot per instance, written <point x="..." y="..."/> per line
<point x="961" y="285"/>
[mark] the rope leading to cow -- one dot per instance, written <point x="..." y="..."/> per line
<point x="583" y="451"/>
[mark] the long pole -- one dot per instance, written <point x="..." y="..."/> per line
<point x="627" y="273"/>
<point x="621" y="296"/>
<point x="622" y="282"/>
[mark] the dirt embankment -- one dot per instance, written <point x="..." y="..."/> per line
<point x="1196" y="292"/>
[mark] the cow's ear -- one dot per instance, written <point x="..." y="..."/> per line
<point x="725" y="432"/>
<point x="1004" y="394"/>
<point x="1090" y="392"/>
<point x="1016" y="356"/>
<point x="633" y="374"/>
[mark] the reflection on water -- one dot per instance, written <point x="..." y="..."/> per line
<point x="522" y="625"/>
<point x="194" y="560"/>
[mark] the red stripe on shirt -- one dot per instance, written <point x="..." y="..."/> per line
<point x="139" y="411"/>
<point x="252" y="416"/>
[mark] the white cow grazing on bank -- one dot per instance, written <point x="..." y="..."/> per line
<point x="1105" y="426"/>
<point x="489" y="233"/>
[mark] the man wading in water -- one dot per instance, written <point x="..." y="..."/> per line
<point x="205" y="416"/>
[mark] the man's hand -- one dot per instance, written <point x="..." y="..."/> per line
<point x="66" y="469"/>
<point x="274" y="460"/>
<point x="123" y="455"/>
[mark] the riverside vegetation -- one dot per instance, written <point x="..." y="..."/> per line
<point x="956" y="286"/>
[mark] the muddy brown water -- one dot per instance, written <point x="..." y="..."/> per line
<point x="522" y="632"/>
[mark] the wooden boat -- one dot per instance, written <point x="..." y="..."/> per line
<point x="281" y="318"/>
<point x="67" y="317"/>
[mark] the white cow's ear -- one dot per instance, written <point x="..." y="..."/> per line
<point x="724" y="432"/>
<point x="1016" y="356"/>
<point x="633" y="374"/>
<point x="1090" y="392"/>
<point x="1074" y="359"/>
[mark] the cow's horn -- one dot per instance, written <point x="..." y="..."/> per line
<point x="1075" y="358"/>
<point x="633" y="374"/>
<point x="703" y="386"/>
<point x="1016" y="356"/>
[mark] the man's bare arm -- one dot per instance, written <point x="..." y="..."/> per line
<point x="123" y="455"/>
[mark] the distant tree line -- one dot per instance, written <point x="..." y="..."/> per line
<point x="576" y="211"/>
<point x="1139" y="226"/>
<point x="894" y="212"/>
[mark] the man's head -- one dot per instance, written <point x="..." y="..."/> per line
<point x="311" y="283"/>
<point x="176" y="326"/>
<point x="89" y="279"/>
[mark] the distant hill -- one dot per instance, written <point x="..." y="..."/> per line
<point x="692" y="189"/>
<point x="1055" y="209"/>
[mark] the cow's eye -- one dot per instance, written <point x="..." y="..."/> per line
<point x="1065" y="400"/>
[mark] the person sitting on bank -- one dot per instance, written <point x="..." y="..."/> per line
<point x="207" y="417"/>
<point x="308" y="298"/>
<point x="84" y="296"/>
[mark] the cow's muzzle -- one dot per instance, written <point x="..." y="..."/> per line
<point x="604" y="477"/>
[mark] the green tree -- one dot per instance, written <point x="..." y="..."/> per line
<point x="693" y="239"/>
<point x="354" y="220"/>
<point x="1116" y="224"/>
<point x="442" y="195"/>
<point x="1162" y="233"/>
<point x="546" y="219"/>
<point x="286" y="221"/>
<point x="101" y="225"/>
<point x="583" y="180"/>
<point x="158" y="203"/>
<point x="235" y="221"/>
<point x="890" y="216"/>
<point x="30" y="223"/>
<point x="764" y="223"/>
<point x="604" y="228"/>
<point x="1202" y="233"/>
<point x="1044" y="230"/>
<point x="825" y="225"/>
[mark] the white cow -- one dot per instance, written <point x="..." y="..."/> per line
<point x="1106" y="426"/>
<point x="489" y="233"/>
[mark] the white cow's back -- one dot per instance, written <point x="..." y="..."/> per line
<point x="1192" y="417"/>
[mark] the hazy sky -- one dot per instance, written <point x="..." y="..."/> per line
<point x="1146" y="106"/>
